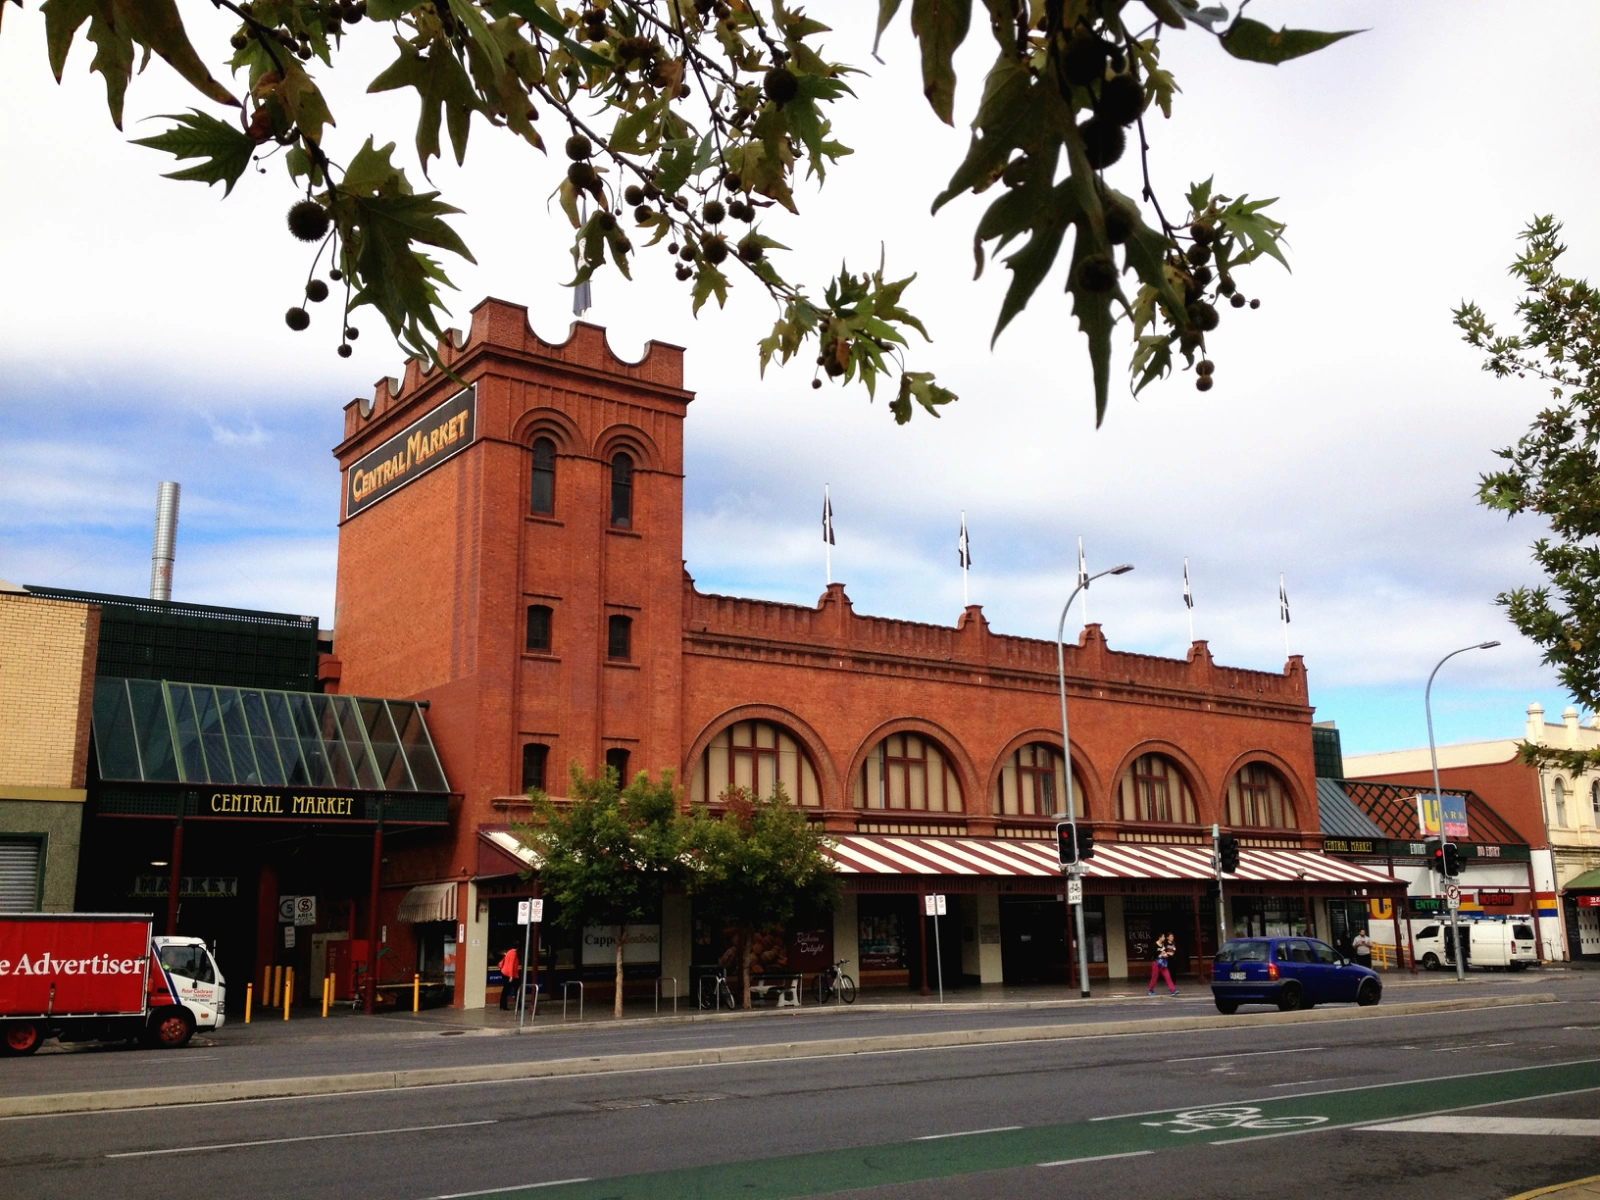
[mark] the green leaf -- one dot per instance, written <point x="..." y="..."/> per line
<point x="886" y="12"/>
<point x="919" y="386"/>
<point x="441" y="83"/>
<point x="533" y="14"/>
<point x="1054" y="211"/>
<point x="1255" y="42"/>
<point x="61" y="21"/>
<point x="226" y="149"/>
<point x="1093" y="310"/>
<point x="709" y="281"/>
<point x="940" y="26"/>
<point x="1007" y="117"/>
<point x="156" y="25"/>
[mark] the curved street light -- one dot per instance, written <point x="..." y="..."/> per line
<point x="1076" y="870"/>
<point x="1438" y="798"/>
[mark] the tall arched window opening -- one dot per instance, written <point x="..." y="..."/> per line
<point x="1154" y="789"/>
<point x="910" y="772"/>
<point x="1257" y="796"/>
<point x="1559" y="790"/>
<point x="1033" y="783"/>
<point x="622" y="490"/>
<point x="760" y="756"/>
<point x="542" y="493"/>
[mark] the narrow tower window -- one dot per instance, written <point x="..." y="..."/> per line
<point x="622" y="490"/>
<point x="542" y="495"/>
<point x="539" y="627"/>
<point x="619" y="637"/>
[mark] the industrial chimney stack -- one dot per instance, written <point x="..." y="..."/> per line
<point x="161" y="553"/>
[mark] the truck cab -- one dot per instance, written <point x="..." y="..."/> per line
<point x="196" y="982"/>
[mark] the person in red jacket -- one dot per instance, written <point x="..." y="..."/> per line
<point x="511" y="973"/>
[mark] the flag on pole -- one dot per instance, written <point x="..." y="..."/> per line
<point x="1188" y="596"/>
<point x="963" y="548"/>
<point x="1083" y="569"/>
<point x="1283" y="601"/>
<point x="827" y="517"/>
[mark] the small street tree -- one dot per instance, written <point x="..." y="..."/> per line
<point x="605" y="856"/>
<point x="756" y="864"/>
<point x="1552" y="470"/>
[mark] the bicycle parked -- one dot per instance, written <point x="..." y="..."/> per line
<point x="720" y="993"/>
<point x="834" y="982"/>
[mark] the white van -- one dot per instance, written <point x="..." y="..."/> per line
<point x="1504" y="942"/>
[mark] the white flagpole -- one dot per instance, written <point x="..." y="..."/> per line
<point x="827" y="534"/>
<point x="1083" y="582"/>
<point x="1188" y="600"/>
<point x="1283" y="611"/>
<point x="966" y="560"/>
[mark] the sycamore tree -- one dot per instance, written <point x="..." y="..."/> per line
<point x="688" y="126"/>
<point x="605" y="856"/>
<point x="754" y="864"/>
<point x="1552" y="471"/>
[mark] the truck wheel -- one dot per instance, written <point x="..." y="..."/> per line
<point x="170" y="1029"/>
<point x="21" y="1037"/>
<point x="1430" y="961"/>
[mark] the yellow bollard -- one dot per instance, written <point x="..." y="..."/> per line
<point x="416" y="992"/>
<point x="249" y="990"/>
<point x="288" y="990"/>
<point x="277" y="984"/>
<point x="325" y="980"/>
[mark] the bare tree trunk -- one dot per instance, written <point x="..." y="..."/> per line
<point x="745" y="959"/>
<point x="616" y="1004"/>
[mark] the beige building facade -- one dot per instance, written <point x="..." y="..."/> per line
<point x="47" y="666"/>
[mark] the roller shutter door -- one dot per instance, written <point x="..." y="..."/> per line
<point x="19" y="874"/>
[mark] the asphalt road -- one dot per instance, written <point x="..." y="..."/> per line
<point x="881" y="1124"/>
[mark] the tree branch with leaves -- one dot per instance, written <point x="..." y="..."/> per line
<point x="688" y="125"/>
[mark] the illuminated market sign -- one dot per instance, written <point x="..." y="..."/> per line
<point x="413" y="452"/>
<point x="284" y="805"/>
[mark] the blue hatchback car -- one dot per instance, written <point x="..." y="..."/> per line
<point x="1291" y="972"/>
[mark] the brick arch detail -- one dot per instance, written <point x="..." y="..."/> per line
<point x="1094" y="798"/>
<point x="646" y="455"/>
<point x="1199" y="788"/>
<point x="815" y="747"/>
<point x="553" y="424"/>
<point x="1285" y="772"/>
<point x="952" y="747"/>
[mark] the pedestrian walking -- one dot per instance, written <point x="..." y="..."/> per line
<point x="1166" y="948"/>
<point x="1361" y="948"/>
<point x="511" y="974"/>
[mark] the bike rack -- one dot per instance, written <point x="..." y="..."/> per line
<point x="571" y="983"/>
<point x="717" y="984"/>
<point x="659" y="982"/>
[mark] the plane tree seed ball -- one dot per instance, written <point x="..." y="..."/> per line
<point x="714" y="212"/>
<point x="297" y="319"/>
<point x="1085" y="60"/>
<point x="579" y="147"/>
<point x="1103" y="141"/>
<point x="1097" y="273"/>
<point x="308" y="221"/>
<point x="1121" y="99"/>
<point x="780" y="85"/>
<point x="316" y="291"/>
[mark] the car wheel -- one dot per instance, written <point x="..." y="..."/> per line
<point x="1227" y="1007"/>
<point x="1519" y="966"/>
<point x="21" y="1037"/>
<point x="1369" y="993"/>
<point x="1291" y="998"/>
<point x="1430" y="961"/>
<point x="171" y="1029"/>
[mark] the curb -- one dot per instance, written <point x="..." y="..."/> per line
<point x="329" y="1085"/>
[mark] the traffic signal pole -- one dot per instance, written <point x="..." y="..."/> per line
<point x="1222" y="907"/>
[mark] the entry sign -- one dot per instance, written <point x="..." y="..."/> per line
<point x="933" y="906"/>
<point x="1074" y="891"/>
<point x="1452" y="897"/>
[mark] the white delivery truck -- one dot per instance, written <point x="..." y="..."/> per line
<point x="1507" y="943"/>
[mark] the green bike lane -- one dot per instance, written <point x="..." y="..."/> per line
<point x="1130" y="1135"/>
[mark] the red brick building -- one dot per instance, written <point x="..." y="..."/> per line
<point x="521" y="569"/>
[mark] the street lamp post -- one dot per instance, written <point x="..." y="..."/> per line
<point x="1438" y="798"/>
<point x="1075" y="871"/>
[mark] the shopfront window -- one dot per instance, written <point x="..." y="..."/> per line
<point x="1033" y="783"/>
<point x="1154" y="789"/>
<point x="760" y="756"/>
<point x="1258" y="797"/>
<point x="910" y="772"/>
<point x="1271" y="916"/>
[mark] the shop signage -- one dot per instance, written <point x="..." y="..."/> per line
<point x="1347" y="846"/>
<point x="1588" y="901"/>
<point x="209" y="887"/>
<point x="413" y="452"/>
<point x="1425" y="904"/>
<point x="600" y="944"/>
<point x="285" y="805"/>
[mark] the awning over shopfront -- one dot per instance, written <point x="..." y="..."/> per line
<point x="1589" y="881"/>
<point x="511" y="853"/>
<point x="861" y="854"/>
<point x="428" y="902"/>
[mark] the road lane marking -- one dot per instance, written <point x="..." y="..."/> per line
<point x="1308" y="1082"/>
<point x="1067" y="1162"/>
<point x="516" y="1187"/>
<point x="310" y="1137"/>
<point x="1247" y="1054"/>
<point x="934" y="1137"/>
<point x="1537" y="1126"/>
<point x="1470" y="1046"/>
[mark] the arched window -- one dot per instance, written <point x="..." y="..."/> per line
<point x="908" y="771"/>
<point x="622" y="490"/>
<point x="1559" y="790"/>
<point x="757" y="755"/>
<point x="1033" y="783"/>
<point x="539" y="627"/>
<point x="619" y="637"/>
<point x="1257" y="796"/>
<point x="617" y="760"/>
<point x="534" y="757"/>
<point x="1154" y="789"/>
<point x="542" y="494"/>
<point x="1594" y="802"/>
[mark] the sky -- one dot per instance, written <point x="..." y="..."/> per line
<point x="142" y="339"/>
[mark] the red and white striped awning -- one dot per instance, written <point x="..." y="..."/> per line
<point x="864" y="854"/>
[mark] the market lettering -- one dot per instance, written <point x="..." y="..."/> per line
<point x="264" y="804"/>
<point x="424" y="444"/>
<point x="279" y="804"/>
<point x="412" y="451"/>
<point x="323" y="806"/>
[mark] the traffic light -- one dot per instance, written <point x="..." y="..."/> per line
<point x="1228" y="853"/>
<point x="1066" y="851"/>
<point x="1452" y="859"/>
<point x="1085" y="844"/>
<point x="1435" y="853"/>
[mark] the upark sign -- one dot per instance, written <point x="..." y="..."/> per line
<point x="410" y="454"/>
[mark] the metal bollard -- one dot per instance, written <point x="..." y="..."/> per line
<point x="416" y="992"/>
<point x="288" y="990"/>
<point x="326" y="980"/>
<point x="249" y="994"/>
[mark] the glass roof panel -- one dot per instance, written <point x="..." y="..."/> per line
<point x="240" y="750"/>
<point x="215" y="744"/>
<point x="116" y="751"/>
<point x="385" y="745"/>
<point x="266" y="748"/>
<point x="305" y="725"/>
<point x="420" y="754"/>
<point x="154" y="730"/>
<point x="191" y="759"/>
<point x="344" y="775"/>
<point x="355" y="741"/>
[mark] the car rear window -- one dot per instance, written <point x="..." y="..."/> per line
<point x="1242" y="952"/>
<point x="1523" y="933"/>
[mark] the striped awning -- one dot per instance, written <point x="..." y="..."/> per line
<point x="863" y="854"/>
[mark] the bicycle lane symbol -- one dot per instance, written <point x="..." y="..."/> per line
<point x="1236" y="1117"/>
